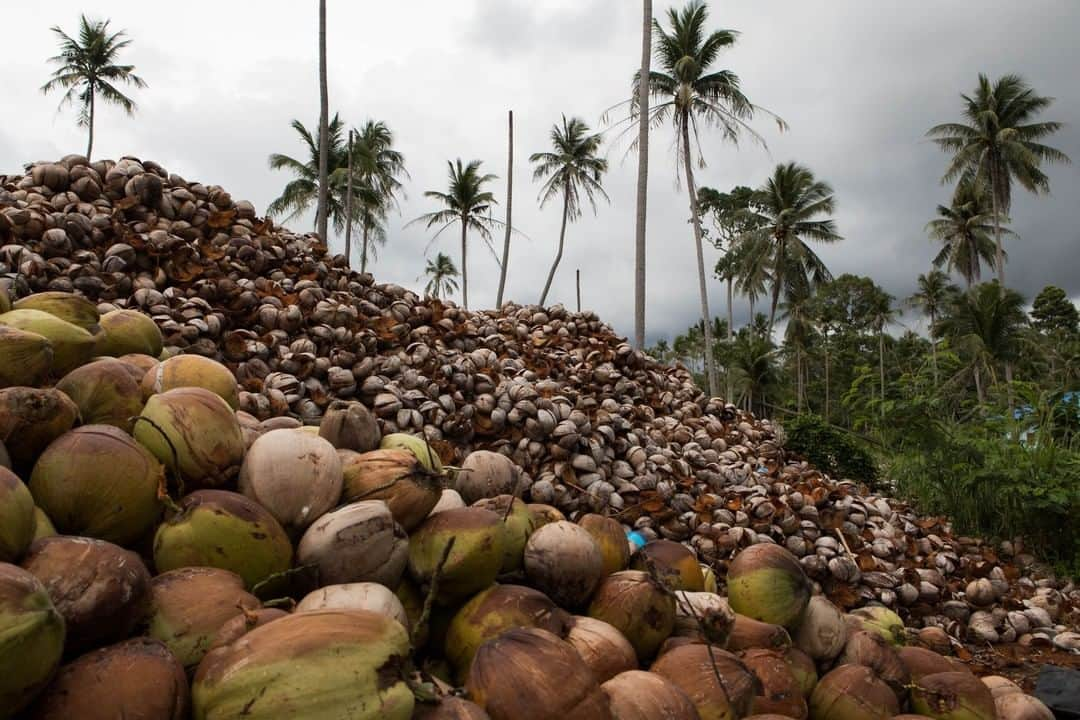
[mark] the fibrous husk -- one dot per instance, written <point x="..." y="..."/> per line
<point x="997" y="684"/>
<point x="953" y="696"/>
<point x="1018" y="706"/>
<point x="409" y="489"/>
<point x="703" y="616"/>
<point x="603" y="648"/>
<point x="126" y="332"/>
<point x="96" y="481"/>
<point x="803" y="669"/>
<point x="244" y="623"/>
<point x="449" y="707"/>
<point x="474" y="560"/>
<point x="717" y="682"/>
<point x="852" y="692"/>
<point x="17" y="520"/>
<point x="822" y="633"/>
<point x="31" y="638"/>
<point x="675" y="564"/>
<point x="747" y="633"/>
<point x="781" y="692"/>
<point x="359" y="542"/>
<point x="873" y="651"/>
<point x="30" y="419"/>
<point x="639" y="695"/>
<point x="188" y="371"/>
<point x="349" y="425"/>
<point x="294" y="666"/>
<point x="101" y="589"/>
<point x="72" y="346"/>
<point x="563" y="560"/>
<point x="486" y="474"/>
<point x="69" y="307"/>
<point x="217" y="528"/>
<point x="767" y="583"/>
<point x="105" y="393"/>
<point x="638" y="607"/>
<point x="881" y="620"/>
<point x="25" y="357"/>
<point x="920" y="662"/>
<point x="531" y="673"/>
<point x="372" y="597"/>
<point x="518" y="526"/>
<point x="137" y="679"/>
<point x="418" y="446"/>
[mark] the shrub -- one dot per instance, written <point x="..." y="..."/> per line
<point x="831" y="449"/>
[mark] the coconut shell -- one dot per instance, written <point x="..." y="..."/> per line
<point x="101" y="589"/>
<point x="518" y="525"/>
<point x="639" y="695"/>
<point x="359" y="542"/>
<point x="105" y="393"/>
<point x="17" y="519"/>
<point x="781" y="692"/>
<point x="124" y="332"/>
<point x="31" y="638"/>
<point x="717" y="682"/>
<point x="822" y="633"/>
<point x="703" y="616"/>
<point x="188" y="371"/>
<point x="1018" y="706"/>
<point x="25" y="357"/>
<point x="349" y="425"/>
<point x="873" y="651"/>
<point x="544" y="514"/>
<point x="396" y="477"/>
<point x="997" y="684"/>
<point x="747" y="634"/>
<point x="563" y="560"/>
<point x="953" y="696"/>
<point x="202" y="430"/>
<point x="72" y="345"/>
<point x="138" y="679"/>
<point x="675" y="563"/>
<point x="610" y="538"/>
<point x="292" y="667"/>
<point x="96" y="481"/>
<point x="494" y="611"/>
<point x="69" y="307"/>
<point x="190" y="605"/>
<point x="602" y="647"/>
<point x="852" y="692"/>
<point x="415" y="444"/>
<point x="216" y="528"/>
<point x="531" y="673"/>
<point x="372" y="597"/>
<point x="635" y="605"/>
<point x="766" y="582"/>
<point x="486" y="474"/>
<point x="30" y="419"/>
<point x="474" y="560"/>
<point x="296" y="476"/>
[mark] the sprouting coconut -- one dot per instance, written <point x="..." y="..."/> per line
<point x="635" y="605"/>
<point x="31" y="638"/>
<point x="359" y="542"/>
<point x="767" y="583"/>
<point x="125" y="332"/>
<point x="474" y="559"/>
<point x="187" y="371"/>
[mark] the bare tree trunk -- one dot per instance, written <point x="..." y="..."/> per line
<point x="691" y="189"/>
<point x="324" y="130"/>
<point x="978" y="386"/>
<point x="730" y="335"/>
<point x="999" y="251"/>
<point x="578" y="283"/>
<point x="777" y="281"/>
<point x="562" y="237"/>
<point x="643" y="176"/>
<point x="364" y="248"/>
<point x="826" y="383"/>
<point x="798" y="380"/>
<point x="348" y="205"/>
<point x="90" y="142"/>
<point x="933" y="348"/>
<point x="464" y="266"/>
<point x="881" y="366"/>
<point x="509" y="206"/>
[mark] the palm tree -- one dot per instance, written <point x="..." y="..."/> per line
<point x="966" y="227"/>
<point x="442" y="276"/>
<point x="787" y="212"/>
<point x="88" y="68"/>
<point x="377" y="169"/>
<point x="999" y="142"/>
<point x="933" y="294"/>
<point x="753" y="360"/>
<point x="509" y="208"/>
<point x="466" y="203"/>
<point x="882" y="313"/>
<point x="643" y="176"/>
<point x="571" y="169"/>
<point x="690" y="95"/>
<point x="324" y="132"/>
<point x="797" y="336"/>
<point x="985" y="323"/>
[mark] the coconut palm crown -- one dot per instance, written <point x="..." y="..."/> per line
<point x="966" y="229"/>
<point x="442" y="276"/>
<point x="377" y="167"/>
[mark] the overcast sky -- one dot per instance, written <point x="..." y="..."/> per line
<point x="859" y="83"/>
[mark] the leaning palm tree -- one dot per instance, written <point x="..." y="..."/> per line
<point x="323" y="208"/>
<point x="442" y="276"/>
<point x="790" y="209"/>
<point x="377" y="167"/>
<point x="999" y="141"/>
<point x="966" y="230"/>
<point x="88" y="68"/>
<point x="933" y="294"/>
<point x="573" y="168"/>
<point x="690" y="94"/>
<point x="466" y="203"/>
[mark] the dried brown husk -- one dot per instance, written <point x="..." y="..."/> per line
<point x="563" y="561"/>
<point x="1018" y="706"/>
<point x="703" y="615"/>
<point x="781" y="692"/>
<point x="921" y="662"/>
<point x="396" y="477"/>
<point x="545" y="514"/>
<point x="30" y="419"/>
<point x="603" y="648"/>
<point x="674" y="563"/>
<point x="803" y="668"/>
<point x="611" y="539"/>
<point x="717" y="682"/>
<point x="25" y="357"/>
<point x="953" y="696"/>
<point x="639" y="695"/>
<point x="638" y="607"/>
<point x="853" y="692"/>
<point x="105" y="393"/>
<point x="873" y="651"/>
<point x="747" y="633"/>
<point x="244" y="623"/>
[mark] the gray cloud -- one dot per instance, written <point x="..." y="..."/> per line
<point x="859" y="83"/>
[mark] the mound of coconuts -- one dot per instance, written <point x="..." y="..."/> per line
<point x="164" y="554"/>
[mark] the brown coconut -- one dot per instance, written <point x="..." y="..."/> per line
<point x="603" y="648"/>
<point x="704" y="616"/>
<point x="803" y="668"/>
<point x="244" y="623"/>
<point x="563" y="560"/>
<point x="544" y="514"/>
<point x="611" y="539"/>
<point x="953" y="696"/>
<point x="873" y="651"/>
<point x="349" y="425"/>
<point x="781" y="692"/>
<point x="105" y="393"/>
<point x="675" y="563"/>
<point x="101" y="589"/>
<point x="639" y="695"/>
<point x="747" y="633"/>
<point x="449" y="707"/>
<point x="638" y="607"/>
<point x="1018" y="706"/>
<point x="394" y="476"/>
<point x="717" y="682"/>
<point x="487" y="474"/>
<point x="853" y="692"/>
<point x="359" y="542"/>
<point x="920" y="662"/>
<point x="30" y="419"/>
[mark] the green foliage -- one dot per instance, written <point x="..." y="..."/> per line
<point x="831" y="449"/>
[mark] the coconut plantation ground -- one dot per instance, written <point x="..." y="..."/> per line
<point x="243" y="473"/>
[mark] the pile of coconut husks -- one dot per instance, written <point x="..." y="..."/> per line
<point x="205" y="412"/>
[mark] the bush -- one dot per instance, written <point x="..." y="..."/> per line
<point x="831" y="449"/>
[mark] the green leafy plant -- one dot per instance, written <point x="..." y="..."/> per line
<point x="831" y="449"/>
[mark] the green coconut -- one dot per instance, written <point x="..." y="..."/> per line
<point x="202" y="430"/>
<point x="5" y="300"/>
<point x="190" y="605"/>
<point x="16" y="516"/>
<point x="853" y="692"/>
<point x="25" y="357"/>
<point x="413" y="602"/>
<point x="417" y="445"/>
<point x="325" y="664"/>
<point x="216" y="528"/>
<point x="43" y="526"/>
<point x="518" y="525"/>
<point x="880" y="620"/>
<point x="72" y="345"/>
<point x="105" y="393"/>
<point x="494" y="611"/>
<point x="675" y="563"/>
<point x="69" y="307"/>
<point x="187" y="371"/>
<point x="96" y="481"/>
<point x="611" y="539"/>
<point x="474" y="559"/>
<point x="31" y="638"/>
<point x="803" y="668"/>
<point x="635" y="605"/>
<point x="128" y="331"/>
<point x="952" y="696"/>
<point x="30" y="419"/>
<point x="766" y="582"/>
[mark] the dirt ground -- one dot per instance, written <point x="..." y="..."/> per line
<point x="1018" y="663"/>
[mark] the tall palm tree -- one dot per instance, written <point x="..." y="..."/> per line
<point x="753" y="360"/>
<point x="572" y="169"/>
<point x="932" y="296"/>
<point x="999" y="142"/>
<point x="468" y="204"/>
<point x="966" y="229"/>
<point x="690" y="95"/>
<point x="442" y="276"/>
<point x="509" y="210"/>
<point x="377" y="169"/>
<point x="752" y="270"/>
<point x="797" y="336"/>
<point x="790" y="209"/>
<point x="322" y="209"/>
<point x="882" y="314"/>
<point x="643" y="176"/>
<point x="88" y="68"/>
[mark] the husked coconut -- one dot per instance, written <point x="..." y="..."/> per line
<point x="486" y="474"/>
<point x="563" y="560"/>
<point x="639" y="695"/>
<point x="637" y="606"/>
<point x="356" y="596"/>
<point x="359" y="542"/>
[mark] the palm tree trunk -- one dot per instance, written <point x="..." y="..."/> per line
<point x="364" y="248"/>
<point x="562" y="237"/>
<point x="324" y="131"/>
<point x="691" y="189"/>
<point x="978" y="385"/>
<point x="826" y="383"/>
<point x="90" y="142"/>
<point x="777" y="280"/>
<point x="999" y="251"/>
<point x="509" y="206"/>
<point x="730" y="335"/>
<point x="464" y="266"/>
<point x="798" y="380"/>
<point x="348" y="205"/>
<point x="933" y="348"/>
<point x="881" y="367"/>
<point x="643" y="176"/>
